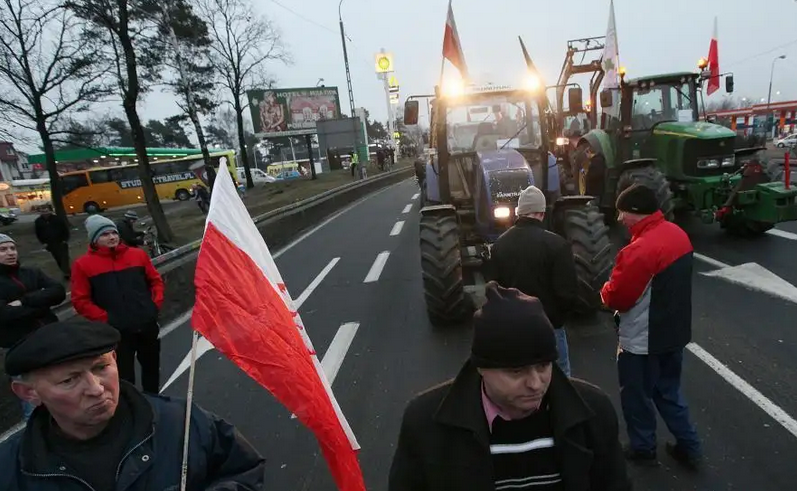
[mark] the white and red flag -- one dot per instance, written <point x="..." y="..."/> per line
<point x="452" y="47"/>
<point x="244" y="309"/>
<point x="714" y="62"/>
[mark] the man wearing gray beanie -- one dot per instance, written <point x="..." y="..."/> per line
<point x="539" y="263"/>
<point x="118" y="285"/>
<point x="510" y="415"/>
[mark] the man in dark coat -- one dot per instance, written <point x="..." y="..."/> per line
<point x="92" y="431"/>
<point x="540" y="264"/>
<point x="54" y="234"/>
<point x="127" y="230"/>
<point x="511" y="416"/>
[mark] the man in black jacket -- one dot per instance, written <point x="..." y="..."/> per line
<point x="511" y="416"/>
<point x="91" y="430"/>
<point x="127" y="231"/>
<point x="26" y="296"/>
<point x="540" y="264"/>
<point x="54" y="234"/>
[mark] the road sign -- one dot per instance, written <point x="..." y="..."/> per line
<point x="394" y="98"/>
<point x="384" y="62"/>
<point x="393" y="82"/>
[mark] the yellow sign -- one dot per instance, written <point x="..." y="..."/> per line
<point x="384" y="62"/>
<point x="396" y="135"/>
<point x="393" y="82"/>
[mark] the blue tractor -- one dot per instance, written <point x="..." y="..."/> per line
<point x="485" y="146"/>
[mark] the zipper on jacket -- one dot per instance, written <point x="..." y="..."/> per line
<point x="127" y="454"/>
<point x="59" y="475"/>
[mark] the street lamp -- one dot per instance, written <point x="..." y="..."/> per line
<point x="769" y="97"/>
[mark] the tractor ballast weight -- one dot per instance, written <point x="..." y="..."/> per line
<point x="487" y="145"/>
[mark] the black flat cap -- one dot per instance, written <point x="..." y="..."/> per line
<point x="60" y="342"/>
<point x="638" y="199"/>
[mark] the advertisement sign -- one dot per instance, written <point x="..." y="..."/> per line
<point x="290" y="112"/>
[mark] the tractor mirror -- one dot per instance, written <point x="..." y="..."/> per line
<point x="606" y="98"/>
<point x="729" y="84"/>
<point x="575" y="100"/>
<point x="411" y="112"/>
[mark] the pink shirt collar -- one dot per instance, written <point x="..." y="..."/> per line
<point x="491" y="411"/>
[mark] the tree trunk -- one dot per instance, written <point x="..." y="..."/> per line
<point x="200" y="136"/>
<point x="56" y="189"/>
<point x="242" y="152"/>
<point x="139" y="141"/>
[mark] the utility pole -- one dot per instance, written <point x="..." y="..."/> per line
<point x="769" y="97"/>
<point x="346" y="59"/>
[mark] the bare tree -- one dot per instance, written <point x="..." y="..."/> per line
<point x="46" y="74"/>
<point x="243" y="43"/>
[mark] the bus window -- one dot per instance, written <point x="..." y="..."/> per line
<point x="99" y="176"/>
<point x="74" y="181"/>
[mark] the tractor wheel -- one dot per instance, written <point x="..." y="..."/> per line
<point x="441" y="267"/>
<point x="586" y="231"/>
<point x="655" y="180"/>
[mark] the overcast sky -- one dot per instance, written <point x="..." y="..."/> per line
<point x="654" y="37"/>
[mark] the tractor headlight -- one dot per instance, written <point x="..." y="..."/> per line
<point x="708" y="164"/>
<point x="502" y="212"/>
<point x="561" y="141"/>
<point x="729" y="161"/>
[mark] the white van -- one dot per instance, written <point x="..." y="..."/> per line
<point x="258" y="176"/>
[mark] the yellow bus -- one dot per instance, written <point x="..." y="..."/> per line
<point x="94" y="190"/>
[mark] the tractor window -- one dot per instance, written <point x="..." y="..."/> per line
<point x="648" y="109"/>
<point x="490" y="123"/>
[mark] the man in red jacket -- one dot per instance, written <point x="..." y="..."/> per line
<point x="651" y="290"/>
<point x="117" y="284"/>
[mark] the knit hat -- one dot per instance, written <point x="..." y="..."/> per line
<point x="5" y="238"/>
<point x="638" y="199"/>
<point x="511" y="330"/>
<point x="531" y="200"/>
<point x="131" y="215"/>
<point x="96" y="225"/>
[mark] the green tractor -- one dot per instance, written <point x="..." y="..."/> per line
<point x="650" y="132"/>
<point x="486" y="145"/>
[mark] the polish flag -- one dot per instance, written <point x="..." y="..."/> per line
<point x="452" y="47"/>
<point x="714" y="62"/>
<point x="244" y="309"/>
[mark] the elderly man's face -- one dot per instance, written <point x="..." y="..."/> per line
<point x="518" y="391"/>
<point x="80" y="394"/>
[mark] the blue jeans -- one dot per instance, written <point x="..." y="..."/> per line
<point x="650" y="382"/>
<point x="564" y="352"/>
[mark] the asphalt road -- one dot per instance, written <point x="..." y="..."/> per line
<point x="395" y="352"/>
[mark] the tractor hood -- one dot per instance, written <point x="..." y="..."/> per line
<point x="700" y="130"/>
<point x="493" y="160"/>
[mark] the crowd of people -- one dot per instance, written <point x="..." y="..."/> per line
<point x="513" y="418"/>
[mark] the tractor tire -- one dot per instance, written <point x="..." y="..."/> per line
<point x="655" y="180"/>
<point x="441" y="269"/>
<point x="588" y="235"/>
<point x="741" y="227"/>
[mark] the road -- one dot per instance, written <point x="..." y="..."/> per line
<point x="363" y="274"/>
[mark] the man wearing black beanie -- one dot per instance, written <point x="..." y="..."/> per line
<point x="651" y="290"/>
<point x="511" y="415"/>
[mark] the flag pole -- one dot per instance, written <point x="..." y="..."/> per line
<point x="188" y="404"/>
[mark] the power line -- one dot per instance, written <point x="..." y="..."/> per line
<point x="297" y="14"/>
<point x="763" y="53"/>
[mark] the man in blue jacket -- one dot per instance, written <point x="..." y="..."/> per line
<point x="93" y="431"/>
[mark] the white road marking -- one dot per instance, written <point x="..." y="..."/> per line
<point x="407" y="208"/>
<point x="171" y="326"/>
<point x="397" y="228"/>
<point x="314" y="284"/>
<point x="377" y="267"/>
<point x="782" y="234"/>
<point x="711" y="261"/>
<point x="204" y="346"/>
<point x="336" y="352"/>
<point x="753" y="276"/>
<point x="415" y="196"/>
<point x="746" y="389"/>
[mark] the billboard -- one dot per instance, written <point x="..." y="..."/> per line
<point x="289" y="112"/>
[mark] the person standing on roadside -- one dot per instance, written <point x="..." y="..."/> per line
<point x="118" y="284"/>
<point x="127" y="230"/>
<point x="26" y="297"/>
<point x="510" y="420"/>
<point x="540" y="264"/>
<point x="53" y="233"/>
<point x="92" y="431"/>
<point x="651" y="290"/>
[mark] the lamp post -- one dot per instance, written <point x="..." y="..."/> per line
<point x="769" y="97"/>
<point x="346" y="59"/>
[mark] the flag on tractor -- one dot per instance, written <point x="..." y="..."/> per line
<point x="611" y="54"/>
<point x="452" y="47"/>
<point x="713" y="63"/>
<point x="244" y="309"/>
